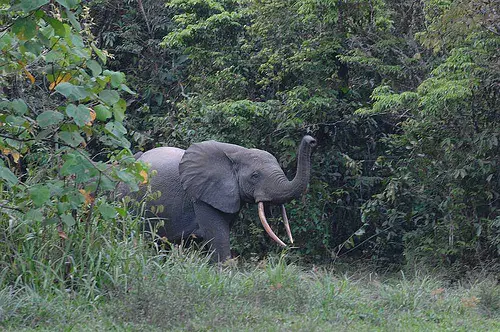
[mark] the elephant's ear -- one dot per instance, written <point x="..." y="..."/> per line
<point x="207" y="174"/>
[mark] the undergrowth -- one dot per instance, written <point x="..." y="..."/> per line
<point x="181" y="290"/>
<point x="107" y="276"/>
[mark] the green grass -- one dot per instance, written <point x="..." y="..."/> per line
<point x="181" y="291"/>
<point x="102" y="277"/>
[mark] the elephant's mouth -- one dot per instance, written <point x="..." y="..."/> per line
<point x="269" y="231"/>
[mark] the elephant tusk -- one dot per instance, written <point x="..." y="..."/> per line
<point x="268" y="229"/>
<point x="285" y="221"/>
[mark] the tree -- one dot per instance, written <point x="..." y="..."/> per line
<point x="58" y="105"/>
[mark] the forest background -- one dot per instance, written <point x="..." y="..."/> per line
<point x="402" y="96"/>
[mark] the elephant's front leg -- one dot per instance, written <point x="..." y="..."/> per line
<point x="214" y="225"/>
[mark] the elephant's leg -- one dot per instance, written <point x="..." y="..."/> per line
<point x="214" y="225"/>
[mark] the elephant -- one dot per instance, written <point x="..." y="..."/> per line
<point x="204" y="187"/>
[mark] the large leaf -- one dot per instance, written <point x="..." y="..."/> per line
<point x="33" y="215"/>
<point x="102" y="112"/>
<point x="6" y="41"/>
<point x="119" y="110"/>
<point x="95" y="67"/>
<point x="24" y="28"/>
<point x="72" y="138"/>
<point x="71" y="91"/>
<point x="29" y="5"/>
<point x="49" y="118"/>
<point x="33" y="47"/>
<point x="80" y="114"/>
<point x="58" y="27"/>
<point x="39" y="194"/>
<point x="117" y="78"/>
<point x="116" y="135"/>
<point x="99" y="53"/>
<point x="107" y="211"/>
<point x="72" y="19"/>
<point x="127" y="89"/>
<point x="68" y="220"/>
<point x="109" y="97"/>
<point x="68" y="4"/>
<point x="15" y="120"/>
<point x="116" y="128"/>
<point x="127" y="178"/>
<point x="7" y="175"/>
<point x="19" y="106"/>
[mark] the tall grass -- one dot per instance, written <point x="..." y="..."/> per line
<point x="89" y="258"/>
<point x="104" y="276"/>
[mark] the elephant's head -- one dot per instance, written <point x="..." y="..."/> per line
<point x="225" y="175"/>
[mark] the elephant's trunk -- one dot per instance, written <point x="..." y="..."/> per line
<point x="287" y="190"/>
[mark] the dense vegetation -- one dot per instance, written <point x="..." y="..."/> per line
<point x="402" y="96"/>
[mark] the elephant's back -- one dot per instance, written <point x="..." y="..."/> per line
<point x="162" y="157"/>
<point x="165" y="161"/>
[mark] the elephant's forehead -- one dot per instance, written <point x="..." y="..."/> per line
<point x="262" y="156"/>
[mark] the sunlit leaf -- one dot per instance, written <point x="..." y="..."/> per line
<point x="14" y="154"/>
<point x="88" y="196"/>
<point x="144" y="175"/>
<point x="29" y="75"/>
<point x="60" y="79"/>
<point x="92" y="117"/>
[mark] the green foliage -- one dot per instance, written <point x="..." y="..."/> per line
<point x="51" y="187"/>
<point x="401" y="96"/>
<point x="444" y="190"/>
<point x="132" y="32"/>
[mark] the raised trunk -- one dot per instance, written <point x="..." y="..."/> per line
<point x="292" y="189"/>
<point x="286" y="190"/>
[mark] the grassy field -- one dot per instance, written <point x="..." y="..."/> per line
<point x="183" y="292"/>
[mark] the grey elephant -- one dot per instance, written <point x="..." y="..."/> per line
<point x="204" y="187"/>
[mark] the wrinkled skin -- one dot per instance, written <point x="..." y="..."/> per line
<point x="204" y="187"/>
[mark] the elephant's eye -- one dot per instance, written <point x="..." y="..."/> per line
<point x="255" y="175"/>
